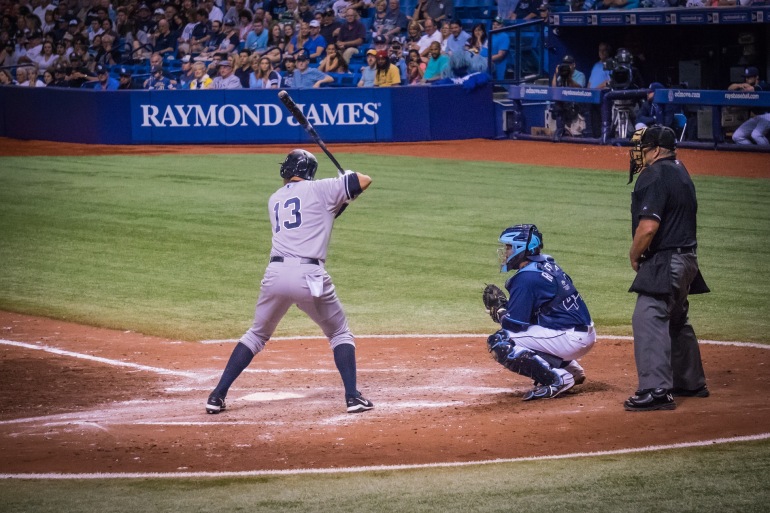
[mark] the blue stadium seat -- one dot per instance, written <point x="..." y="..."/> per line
<point x="680" y="125"/>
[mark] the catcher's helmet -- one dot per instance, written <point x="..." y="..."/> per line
<point x="299" y="163"/>
<point x="525" y="240"/>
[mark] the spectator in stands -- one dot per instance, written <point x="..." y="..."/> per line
<point x="369" y="72"/>
<point x="47" y="57"/>
<point x="21" y="76"/>
<point x="124" y="27"/>
<point x="257" y="38"/>
<point x="77" y="73"/>
<point x="8" y="56"/>
<point x="478" y="40"/>
<point x="387" y="74"/>
<point x="306" y="77"/>
<point x="431" y="35"/>
<point x="144" y="27"/>
<point x="216" y="37"/>
<point x="397" y="59"/>
<point x="567" y="113"/>
<point x="413" y="35"/>
<point x="226" y="78"/>
<point x="186" y="75"/>
<point x="276" y="8"/>
<point x="333" y="62"/>
<point x="316" y="44"/>
<point x="231" y="38"/>
<point x="506" y="8"/>
<point x="304" y="12"/>
<point x="438" y="63"/>
<point x="202" y="80"/>
<point x="215" y="13"/>
<point x="108" y="28"/>
<point x="48" y="77"/>
<point x="108" y="55"/>
<point x="457" y="39"/>
<point x="244" y="62"/>
<point x="398" y="19"/>
<point x="125" y="80"/>
<point x="104" y="82"/>
<point x="651" y="113"/>
<point x="329" y="26"/>
<point x="351" y="35"/>
<point x="60" y="76"/>
<point x="414" y="71"/>
<point x="234" y="11"/>
<point x="300" y="38"/>
<point x="501" y="44"/>
<point x="276" y="37"/>
<point x="264" y="76"/>
<point x="157" y="80"/>
<point x="245" y="24"/>
<point x="755" y="129"/>
<point x="275" y="55"/>
<point x="200" y="36"/>
<point x="5" y="77"/>
<point x="526" y="10"/>
<point x="287" y="77"/>
<point x="164" y="41"/>
<point x="435" y="10"/>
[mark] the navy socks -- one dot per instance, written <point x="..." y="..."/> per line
<point x="345" y="359"/>
<point x="239" y="360"/>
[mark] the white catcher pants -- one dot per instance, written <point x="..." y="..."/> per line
<point x="567" y="345"/>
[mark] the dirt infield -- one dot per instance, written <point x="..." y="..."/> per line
<point x="78" y="399"/>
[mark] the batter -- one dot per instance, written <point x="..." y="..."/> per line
<point x="302" y="214"/>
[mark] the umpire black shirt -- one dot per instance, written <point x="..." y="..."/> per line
<point x="665" y="192"/>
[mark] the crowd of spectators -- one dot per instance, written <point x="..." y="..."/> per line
<point x="269" y="44"/>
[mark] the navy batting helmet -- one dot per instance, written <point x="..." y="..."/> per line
<point x="300" y="163"/>
<point x="524" y="239"/>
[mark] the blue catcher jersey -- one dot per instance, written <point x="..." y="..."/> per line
<point x="542" y="293"/>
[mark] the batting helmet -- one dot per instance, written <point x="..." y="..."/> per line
<point x="525" y="240"/>
<point x="300" y="163"/>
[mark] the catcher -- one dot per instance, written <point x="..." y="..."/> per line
<point x="546" y="326"/>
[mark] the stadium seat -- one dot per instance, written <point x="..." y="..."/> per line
<point x="680" y="125"/>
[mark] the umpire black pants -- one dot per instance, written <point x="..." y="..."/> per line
<point x="665" y="346"/>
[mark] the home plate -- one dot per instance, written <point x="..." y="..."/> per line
<point x="271" y="396"/>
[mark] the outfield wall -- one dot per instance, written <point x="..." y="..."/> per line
<point x="398" y="114"/>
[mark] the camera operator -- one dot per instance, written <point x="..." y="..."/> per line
<point x="566" y="113"/>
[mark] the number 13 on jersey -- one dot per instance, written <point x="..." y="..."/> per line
<point x="289" y="213"/>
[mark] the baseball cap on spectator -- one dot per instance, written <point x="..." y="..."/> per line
<point x="186" y="58"/>
<point x="371" y="51"/>
<point x="288" y="57"/>
<point x="159" y="11"/>
<point x="655" y="86"/>
<point x="125" y="72"/>
<point x="329" y="12"/>
<point x="380" y="40"/>
<point x="498" y="19"/>
<point x="751" y="72"/>
<point x="301" y="56"/>
<point x="229" y="22"/>
<point x="396" y="44"/>
<point x="156" y="69"/>
<point x="382" y="54"/>
<point x="314" y="23"/>
<point x="568" y="59"/>
<point x="225" y="62"/>
<point x="101" y="70"/>
<point x="73" y="21"/>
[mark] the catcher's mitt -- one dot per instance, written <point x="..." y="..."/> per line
<point x="495" y="301"/>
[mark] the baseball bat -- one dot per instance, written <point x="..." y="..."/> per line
<point x="304" y="123"/>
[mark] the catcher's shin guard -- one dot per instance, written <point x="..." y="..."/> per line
<point x="520" y="359"/>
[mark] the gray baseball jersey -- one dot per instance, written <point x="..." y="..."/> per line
<point x="302" y="217"/>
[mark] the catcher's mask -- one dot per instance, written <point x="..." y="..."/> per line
<point x="650" y="137"/>
<point x="299" y="163"/>
<point x="525" y="240"/>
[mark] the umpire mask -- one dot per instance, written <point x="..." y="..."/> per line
<point x="651" y="137"/>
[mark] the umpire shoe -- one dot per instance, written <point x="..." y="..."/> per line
<point x="698" y="392"/>
<point x="358" y="404"/>
<point x="215" y="404"/>
<point x="566" y="381"/>
<point x="649" y="400"/>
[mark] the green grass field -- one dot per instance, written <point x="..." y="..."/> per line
<point x="176" y="245"/>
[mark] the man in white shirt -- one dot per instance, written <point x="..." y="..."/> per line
<point x="431" y="34"/>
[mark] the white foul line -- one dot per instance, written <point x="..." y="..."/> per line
<point x="99" y="359"/>
<point x="381" y="468"/>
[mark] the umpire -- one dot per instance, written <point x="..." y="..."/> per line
<point x="663" y="254"/>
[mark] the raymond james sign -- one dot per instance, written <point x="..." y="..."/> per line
<point x="256" y="116"/>
<point x="269" y="115"/>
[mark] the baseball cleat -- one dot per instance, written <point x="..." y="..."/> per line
<point x="698" y="392"/>
<point x="215" y="404"/>
<point x="358" y="404"/>
<point x="650" y="400"/>
<point x="574" y="368"/>
<point x="566" y="381"/>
